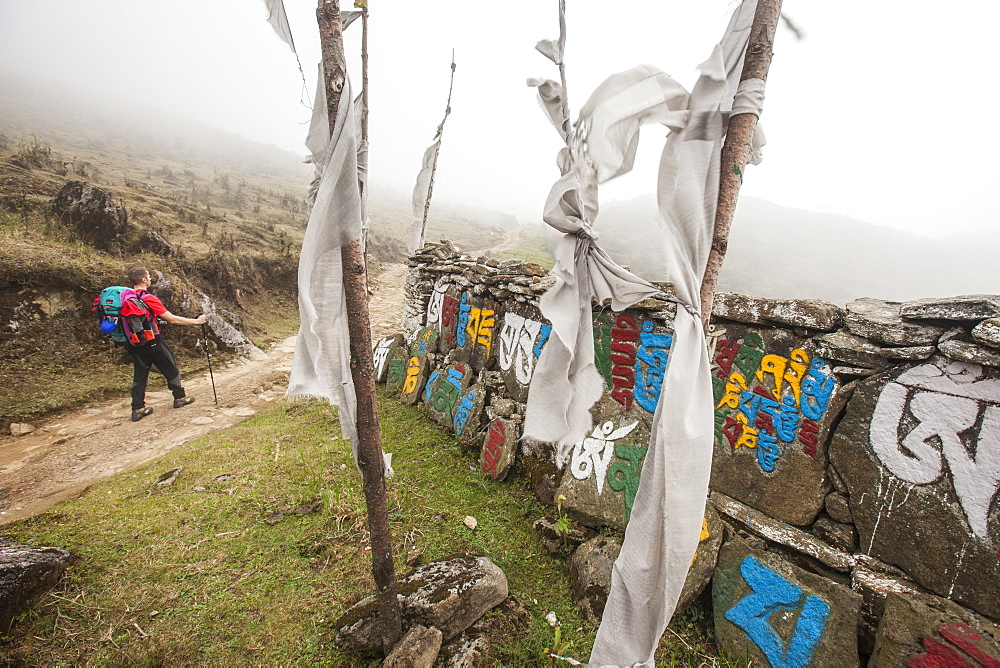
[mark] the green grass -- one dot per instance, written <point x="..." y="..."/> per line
<point x="192" y="574"/>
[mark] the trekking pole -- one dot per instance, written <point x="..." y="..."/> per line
<point x="204" y="334"/>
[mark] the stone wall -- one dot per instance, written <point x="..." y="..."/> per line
<point x="856" y="464"/>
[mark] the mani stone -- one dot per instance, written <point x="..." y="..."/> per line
<point x="414" y="379"/>
<point x="924" y="630"/>
<point x="25" y="574"/>
<point x="966" y="307"/>
<point x="445" y="391"/>
<point x="590" y="575"/>
<point x="449" y="594"/>
<point x="845" y="347"/>
<point x="794" y="489"/>
<point x="500" y="448"/>
<point x="385" y="350"/>
<point x="771" y="613"/>
<point x="987" y="332"/>
<point x="881" y="322"/>
<point x="971" y="353"/>
<point x="917" y="505"/>
<point x="601" y="475"/>
<point x="418" y="648"/>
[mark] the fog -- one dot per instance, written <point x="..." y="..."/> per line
<point x="872" y="114"/>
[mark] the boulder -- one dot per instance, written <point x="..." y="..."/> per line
<point x="771" y="613"/>
<point x="917" y="450"/>
<point x="590" y="575"/>
<point x="742" y="308"/>
<point x="966" y="307"/>
<point x="25" y="574"/>
<point x="924" y="630"/>
<point x="418" y="648"/>
<point x="92" y="212"/>
<point x="880" y="321"/>
<point x="151" y="242"/>
<point x="774" y="407"/>
<point x="449" y="594"/>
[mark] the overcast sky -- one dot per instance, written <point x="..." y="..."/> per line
<point x="882" y="112"/>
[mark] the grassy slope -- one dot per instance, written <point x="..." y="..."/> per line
<point x="192" y="574"/>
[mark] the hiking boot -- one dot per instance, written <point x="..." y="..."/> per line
<point x="139" y="413"/>
<point x="183" y="401"/>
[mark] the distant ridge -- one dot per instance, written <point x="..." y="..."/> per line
<point x="780" y="252"/>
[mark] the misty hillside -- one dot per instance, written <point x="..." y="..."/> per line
<point x="775" y="251"/>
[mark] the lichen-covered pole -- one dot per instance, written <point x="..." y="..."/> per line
<point x="736" y="150"/>
<point x="362" y="365"/>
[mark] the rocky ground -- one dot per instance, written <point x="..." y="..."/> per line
<point x="63" y="456"/>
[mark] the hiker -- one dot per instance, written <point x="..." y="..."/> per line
<point x="156" y="353"/>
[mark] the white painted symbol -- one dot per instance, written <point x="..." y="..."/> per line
<point x="517" y="340"/>
<point x="380" y="355"/>
<point x="435" y="303"/>
<point x="593" y="455"/>
<point x="946" y="405"/>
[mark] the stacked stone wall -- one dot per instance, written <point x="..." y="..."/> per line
<point x="853" y="515"/>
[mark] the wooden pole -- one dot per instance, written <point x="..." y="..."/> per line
<point x="736" y="150"/>
<point x="362" y="365"/>
<point x="434" y="165"/>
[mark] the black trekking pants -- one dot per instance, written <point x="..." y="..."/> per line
<point x="155" y="354"/>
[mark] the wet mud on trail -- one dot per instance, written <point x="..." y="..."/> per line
<point x="64" y="455"/>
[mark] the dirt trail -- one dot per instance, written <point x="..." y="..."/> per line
<point x="65" y="455"/>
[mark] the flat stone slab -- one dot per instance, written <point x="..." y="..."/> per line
<point x="808" y="313"/>
<point x="449" y="594"/>
<point x="843" y="346"/>
<point x="965" y="351"/>
<point x="880" y="321"/>
<point x="965" y="307"/>
<point x="924" y="630"/>
<point x="987" y="333"/>
<point x="917" y="449"/>
<point x="779" y="532"/>
<point x="771" y="613"/>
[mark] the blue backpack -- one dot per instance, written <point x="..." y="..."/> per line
<point x="132" y="331"/>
